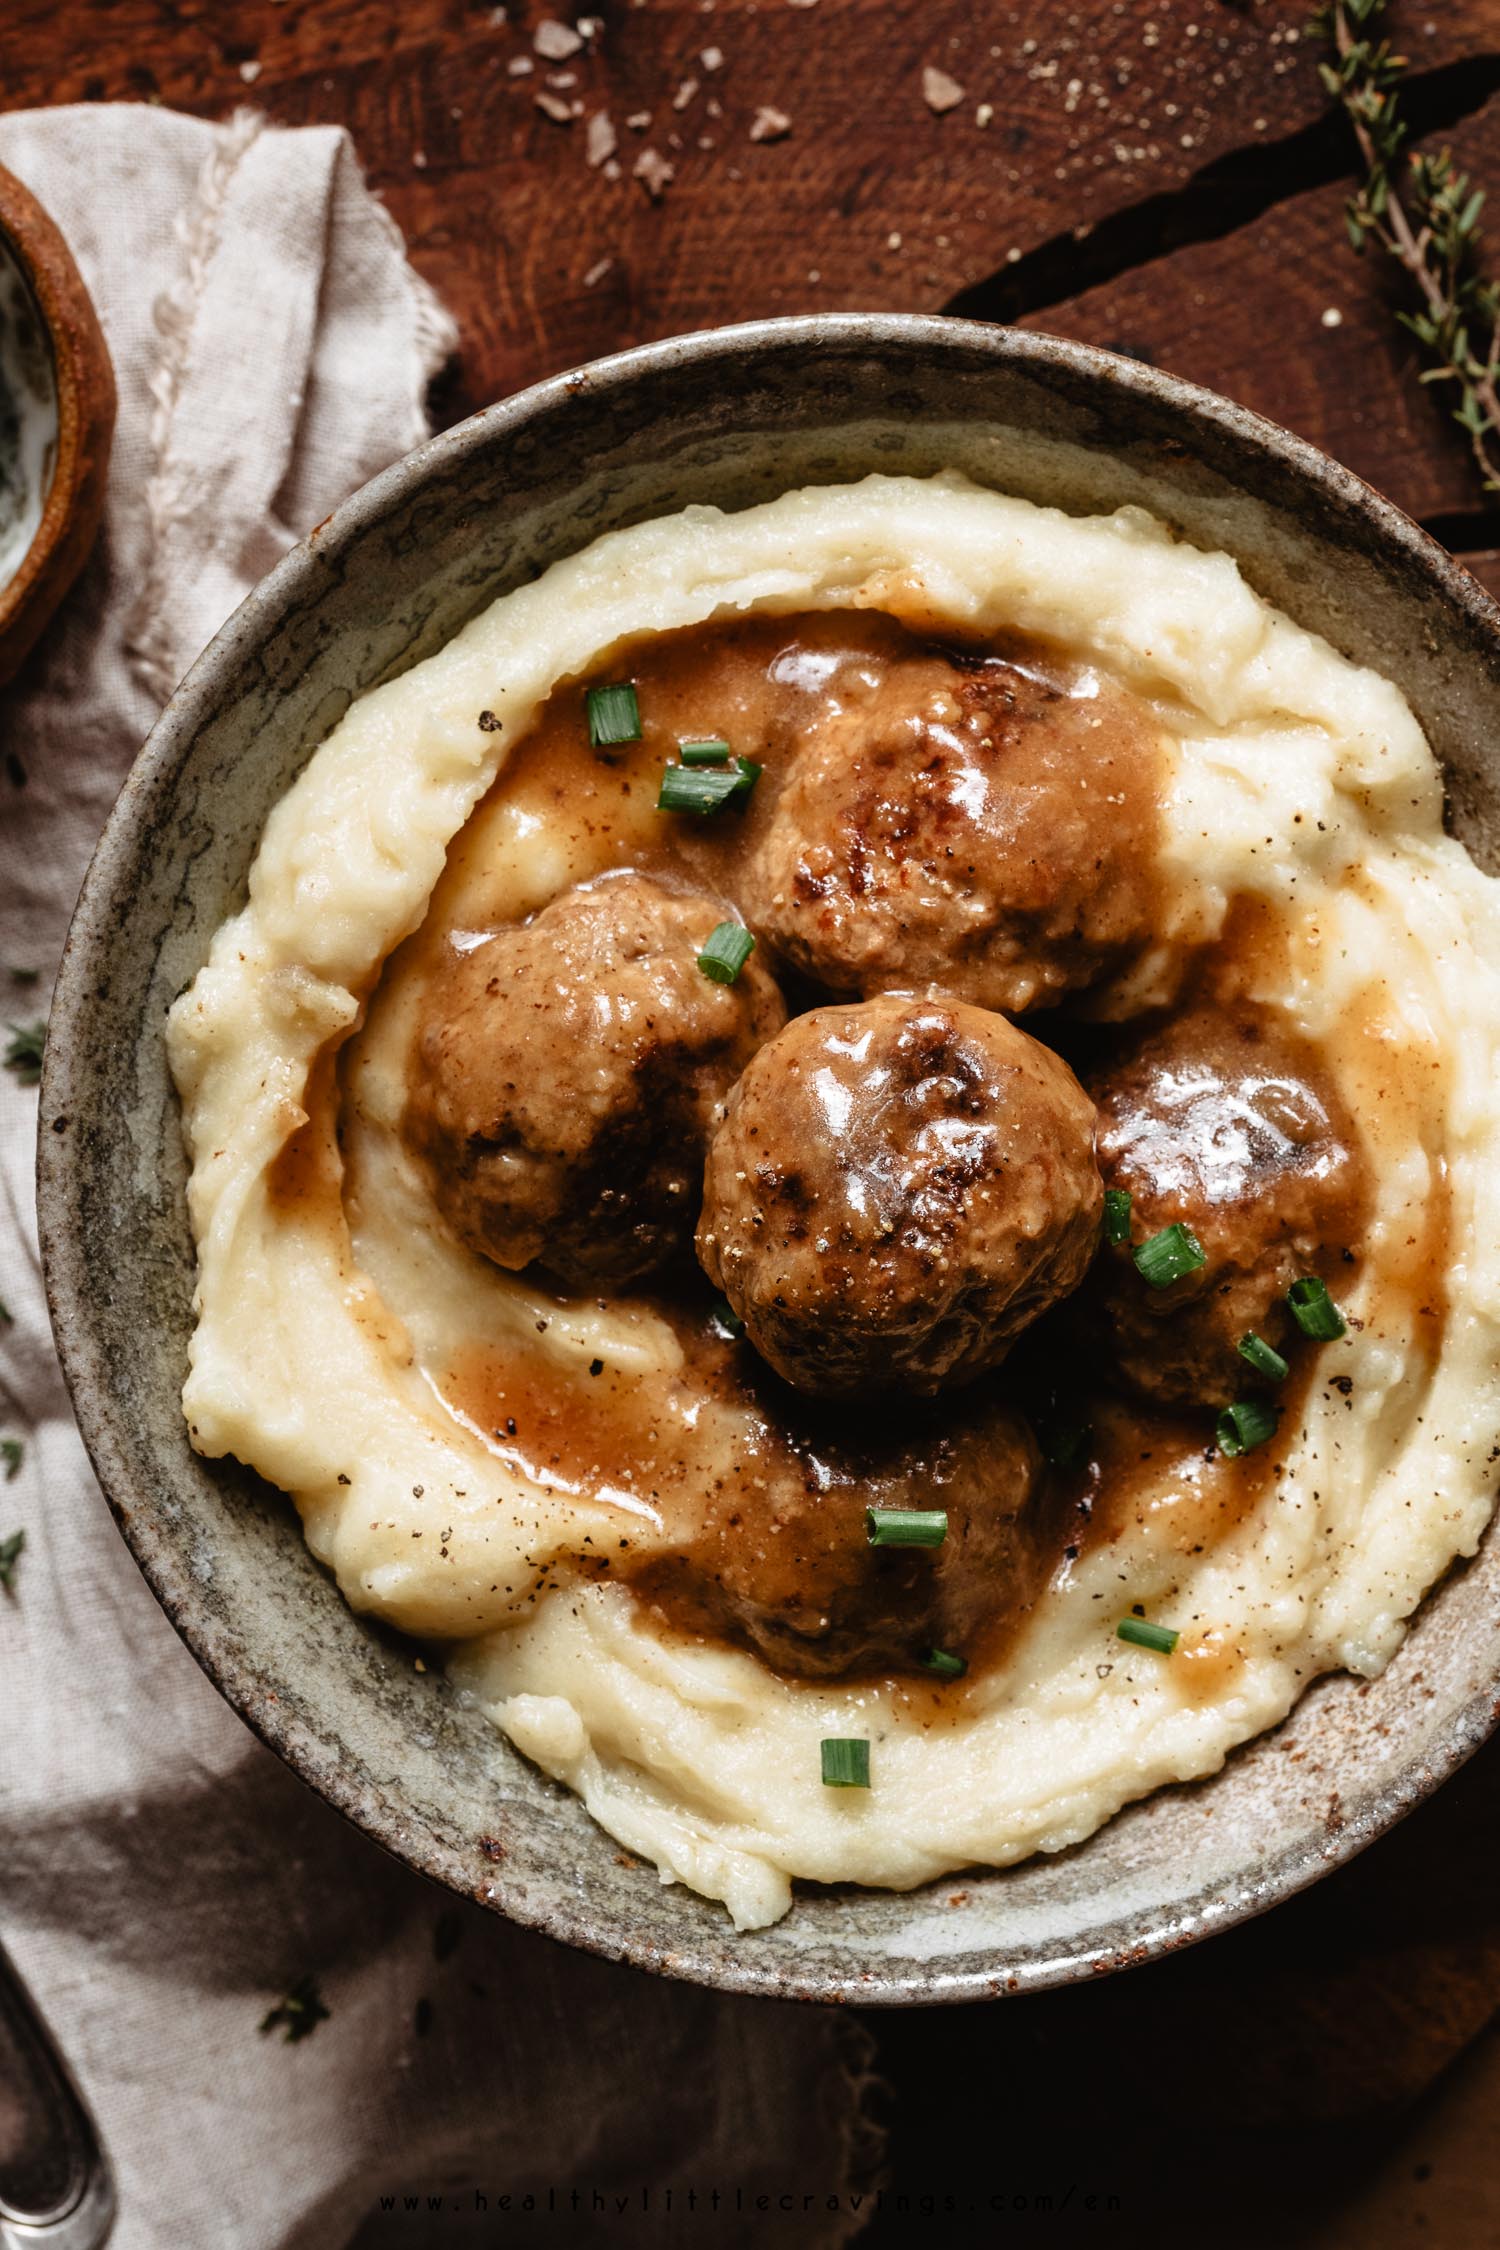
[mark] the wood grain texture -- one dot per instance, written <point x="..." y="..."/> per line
<point x="1284" y="317"/>
<point x="869" y="200"/>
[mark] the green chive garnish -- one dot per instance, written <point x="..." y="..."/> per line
<point x="846" y="1762"/>
<point x="1247" y="1423"/>
<point x="906" y="1527"/>
<point x="944" y="1663"/>
<point x="1116" y="1216"/>
<point x="1314" y="1310"/>
<point x="614" y="716"/>
<point x="726" y="952"/>
<point x="706" y="789"/>
<point x="1169" y="1255"/>
<point x="726" y="1318"/>
<point x="1261" y="1357"/>
<point x="714" y="751"/>
<point x="1158" y="1637"/>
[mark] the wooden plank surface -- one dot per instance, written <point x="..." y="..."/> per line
<point x="1283" y="316"/>
<point x="871" y="198"/>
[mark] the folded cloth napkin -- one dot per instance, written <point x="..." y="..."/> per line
<point x="163" y="1880"/>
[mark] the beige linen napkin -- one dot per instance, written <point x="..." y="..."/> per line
<point x="163" y="1880"/>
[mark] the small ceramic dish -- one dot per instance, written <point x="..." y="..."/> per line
<point x="730" y="417"/>
<point x="57" y="419"/>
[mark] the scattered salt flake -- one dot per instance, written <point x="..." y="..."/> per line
<point x="939" y="91"/>
<point x="1333" y="318"/>
<point x="555" y="41"/>
<point x="639" y="120"/>
<point x="685" y="93"/>
<point x="419" y="158"/>
<point x="589" y="27"/>
<point x="563" y="80"/>
<point x="801" y="3"/>
<point x="612" y="170"/>
<point x="770" y="125"/>
<point x="984" y="113"/>
<point x="597" y="271"/>
<point x="893" y="242"/>
<point x="553" y="106"/>
<point x="250" y="71"/>
<point x="712" y="58"/>
<point x="654" y="173"/>
<point x="520" y="66"/>
<point x="602" y="140"/>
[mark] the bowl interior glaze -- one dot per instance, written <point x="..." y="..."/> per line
<point x="729" y="417"/>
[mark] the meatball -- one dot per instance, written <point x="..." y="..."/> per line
<point x="568" y="1073"/>
<point x="1218" y="1121"/>
<point x="896" y="1189"/>
<point x="963" y="826"/>
<point x="784" y="1564"/>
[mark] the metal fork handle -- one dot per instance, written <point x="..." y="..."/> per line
<point x="56" y="2192"/>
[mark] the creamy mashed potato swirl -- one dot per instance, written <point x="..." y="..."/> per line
<point x="1296" y="781"/>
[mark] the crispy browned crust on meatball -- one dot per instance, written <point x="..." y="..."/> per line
<point x="1223" y="1122"/>
<point x="567" y="1075"/>
<point x="896" y="1189"/>
<point x="964" y="826"/>
<point x="784" y="1564"/>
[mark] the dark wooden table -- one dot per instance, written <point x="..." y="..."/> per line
<point x="1158" y="176"/>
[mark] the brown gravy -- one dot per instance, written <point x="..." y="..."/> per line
<point x="723" y="1447"/>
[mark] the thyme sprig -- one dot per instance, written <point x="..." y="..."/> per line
<point x="1425" y="212"/>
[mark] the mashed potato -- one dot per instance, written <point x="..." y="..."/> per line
<point x="326" y="1294"/>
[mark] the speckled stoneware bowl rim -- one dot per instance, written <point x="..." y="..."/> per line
<point x="1137" y="1936"/>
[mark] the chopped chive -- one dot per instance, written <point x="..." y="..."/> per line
<point x="1261" y="1357"/>
<point x="12" y="1454"/>
<point x="1142" y="1635"/>
<point x="706" y="789"/>
<point x="614" y="716"/>
<point x="728" y="949"/>
<point x="10" y="1554"/>
<point x="714" y="751"/>
<point x="1249" y="1422"/>
<point x="906" y="1527"/>
<point x="1314" y="1310"/>
<point x="846" y="1762"/>
<point x="1116" y="1216"/>
<point x="944" y="1663"/>
<point x="1169" y="1255"/>
<point x="726" y="1318"/>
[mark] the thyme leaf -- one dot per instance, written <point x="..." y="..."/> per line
<point x="23" y="1054"/>
<point x="299" y="2014"/>
<point x="1425" y="213"/>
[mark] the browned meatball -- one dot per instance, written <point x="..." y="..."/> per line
<point x="966" y="827"/>
<point x="1224" y="1123"/>
<point x="896" y="1190"/>
<point x="568" y="1074"/>
<point x="784" y="1563"/>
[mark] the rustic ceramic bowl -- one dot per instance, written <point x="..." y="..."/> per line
<point x="57" y="419"/>
<point x="730" y="417"/>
